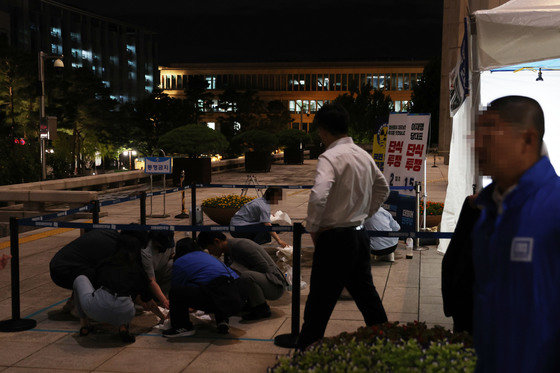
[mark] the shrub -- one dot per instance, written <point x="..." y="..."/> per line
<point x="255" y="140"/>
<point x="292" y="138"/>
<point x="432" y="208"/>
<point x="227" y="201"/>
<point x="387" y="347"/>
<point x="194" y="140"/>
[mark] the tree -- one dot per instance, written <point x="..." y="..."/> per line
<point x="84" y="110"/>
<point x="426" y="96"/>
<point x="368" y="110"/>
<point x="194" y="140"/>
<point x="198" y="99"/>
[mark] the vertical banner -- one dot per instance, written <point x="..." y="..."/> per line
<point x="379" y="144"/>
<point x="407" y="138"/>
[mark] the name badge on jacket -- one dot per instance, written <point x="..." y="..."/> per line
<point x="522" y="249"/>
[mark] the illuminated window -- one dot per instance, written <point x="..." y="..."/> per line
<point x="298" y="106"/>
<point x="338" y="83"/>
<point x="76" y="53"/>
<point x="131" y="48"/>
<point x="211" y="125"/>
<point x="75" y="36"/>
<point x="313" y="106"/>
<point x="56" y="32"/>
<point x="381" y="82"/>
<point x="397" y="106"/>
<point x="76" y="65"/>
<point x="211" y="82"/>
<point x="319" y="104"/>
<point x="87" y="55"/>
<point x="292" y="106"/>
<point x="149" y="88"/>
<point x="306" y="106"/>
<point x="173" y="82"/>
<point x="56" y="48"/>
<point x="326" y="83"/>
<point x="179" y="82"/>
<point x="132" y="75"/>
<point x="106" y="83"/>
<point x="404" y="106"/>
<point x="406" y="85"/>
<point x="400" y="84"/>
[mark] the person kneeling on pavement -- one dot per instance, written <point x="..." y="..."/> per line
<point x="118" y="280"/>
<point x="252" y="262"/>
<point x="382" y="247"/>
<point x="202" y="282"/>
<point x="157" y="260"/>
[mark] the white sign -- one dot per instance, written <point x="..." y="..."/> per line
<point x="157" y="165"/>
<point x="405" y="151"/>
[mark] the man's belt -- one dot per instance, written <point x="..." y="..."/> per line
<point x="343" y="229"/>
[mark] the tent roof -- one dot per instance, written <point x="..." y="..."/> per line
<point x="518" y="31"/>
<point x="545" y="65"/>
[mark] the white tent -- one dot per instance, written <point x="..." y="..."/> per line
<point x="518" y="32"/>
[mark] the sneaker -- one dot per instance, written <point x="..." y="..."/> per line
<point x="261" y="311"/>
<point x="223" y="327"/>
<point x="180" y="332"/>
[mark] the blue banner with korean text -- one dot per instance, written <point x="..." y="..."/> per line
<point x="158" y="165"/>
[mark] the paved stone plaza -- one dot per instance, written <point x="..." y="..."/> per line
<point x="410" y="290"/>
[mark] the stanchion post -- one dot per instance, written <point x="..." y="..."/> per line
<point x="289" y="340"/>
<point x="95" y="212"/>
<point x="193" y="207"/>
<point x="16" y="323"/>
<point x="143" y="208"/>
<point x="417" y="224"/>
<point x="183" y="214"/>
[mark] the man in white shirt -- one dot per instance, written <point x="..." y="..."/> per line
<point x="348" y="188"/>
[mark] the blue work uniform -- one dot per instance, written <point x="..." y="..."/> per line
<point x="516" y="255"/>
<point x="254" y="212"/>
<point x="198" y="268"/>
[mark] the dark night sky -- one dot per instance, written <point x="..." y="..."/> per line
<point x="284" y="30"/>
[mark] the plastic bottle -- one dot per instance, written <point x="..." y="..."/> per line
<point x="409" y="244"/>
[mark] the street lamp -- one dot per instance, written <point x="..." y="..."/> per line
<point x="43" y="129"/>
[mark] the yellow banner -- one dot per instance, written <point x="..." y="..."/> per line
<point x="379" y="142"/>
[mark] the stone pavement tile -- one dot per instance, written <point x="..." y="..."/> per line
<point x="18" y="351"/>
<point x="431" y="300"/>
<point x="41" y="370"/>
<point x="346" y="315"/>
<point x="430" y="282"/>
<point x="69" y="356"/>
<point x="148" y="360"/>
<point x="402" y="317"/>
<point x="243" y="346"/>
<point x="30" y="336"/>
<point x="261" y="329"/>
<point x="403" y="277"/>
<point x="401" y="300"/>
<point x="334" y="327"/>
<point x="210" y="361"/>
<point x="433" y="313"/>
<point x="430" y="269"/>
<point x="156" y="342"/>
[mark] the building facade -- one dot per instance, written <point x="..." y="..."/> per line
<point x="123" y="56"/>
<point x="302" y="87"/>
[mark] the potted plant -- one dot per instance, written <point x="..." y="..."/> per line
<point x="222" y="208"/>
<point x="257" y="146"/>
<point x="198" y="142"/>
<point x="433" y="213"/>
<point x="293" y="141"/>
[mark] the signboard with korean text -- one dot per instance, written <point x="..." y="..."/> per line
<point x="158" y="165"/>
<point x="407" y="138"/>
<point x="379" y="142"/>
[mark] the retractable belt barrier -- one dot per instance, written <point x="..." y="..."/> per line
<point x="16" y="323"/>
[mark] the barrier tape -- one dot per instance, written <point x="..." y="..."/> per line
<point x="215" y="228"/>
<point x="58" y="214"/>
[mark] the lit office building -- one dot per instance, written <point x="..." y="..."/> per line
<point x="302" y="87"/>
<point x="123" y="56"/>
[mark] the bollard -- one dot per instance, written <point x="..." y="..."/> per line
<point x="95" y="212"/>
<point x="16" y="323"/>
<point x="193" y="207"/>
<point x="289" y="340"/>
<point x="183" y="214"/>
<point x="143" y="208"/>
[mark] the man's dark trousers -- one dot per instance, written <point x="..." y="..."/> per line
<point x="341" y="259"/>
<point x="181" y="298"/>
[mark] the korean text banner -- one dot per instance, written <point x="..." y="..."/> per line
<point x="407" y="139"/>
<point x="158" y="165"/>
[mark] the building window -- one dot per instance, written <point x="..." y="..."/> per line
<point x="149" y="88"/>
<point x="404" y="106"/>
<point x="211" y="125"/>
<point x="76" y="53"/>
<point x="56" y="32"/>
<point x="114" y="60"/>
<point x="106" y="83"/>
<point x="56" y="48"/>
<point x="211" y="82"/>
<point x="173" y="82"/>
<point x="132" y="75"/>
<point x="406" y="85"/>
<point x="292" y="106"/>
<point x="298" y="106"/>
<point x="76" y="37"/>
<point x="131" y="48"/>
<point x="87" y="55"/>
<point x="400" y="84"/>
<point x="76" y="65"/>
<point x="397" y="106"/>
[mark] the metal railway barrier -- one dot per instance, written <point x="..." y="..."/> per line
<point x="16" y="323"/>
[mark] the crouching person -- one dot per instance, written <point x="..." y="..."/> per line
<point x="118" y="281"/>
<point x="252" y="262"/>
<point x="202" y="282"/>
<point x="382" y="247"/>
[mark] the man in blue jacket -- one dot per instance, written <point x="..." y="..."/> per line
<point x="516" y="253"/>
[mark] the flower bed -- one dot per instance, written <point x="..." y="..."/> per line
<point x="432" y="208"/>
<point x="387" y="347"/>
<point x="227" y="201"/>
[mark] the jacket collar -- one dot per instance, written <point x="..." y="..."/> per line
<point x="539" y="174"/>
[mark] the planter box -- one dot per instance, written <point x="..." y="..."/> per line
<point x="221" y="216"/>
<point x="197" y="170"/>
<point x="431" y="220"/>
<point x="293" y="156"/>
<point x="258" y="161"/>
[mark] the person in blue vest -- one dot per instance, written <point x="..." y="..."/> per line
<point x="516" y="249"/>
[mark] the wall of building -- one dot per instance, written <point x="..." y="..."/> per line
<point x="123" y="56"/>
<point x="454" y="13"/>
<point x="302" y="87"/>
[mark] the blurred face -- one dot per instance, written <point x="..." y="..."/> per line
<point x="276" y="197"/>
<point x="498" y="146"/>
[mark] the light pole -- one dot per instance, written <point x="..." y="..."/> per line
<point x="43" y="130"/>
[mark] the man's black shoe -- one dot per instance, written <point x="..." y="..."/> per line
<point x="262" y="311"/>
<point x="179" y="332"/>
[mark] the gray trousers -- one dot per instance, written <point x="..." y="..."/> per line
<point x="265" y="290"/>
<point x="100" y="305"/>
